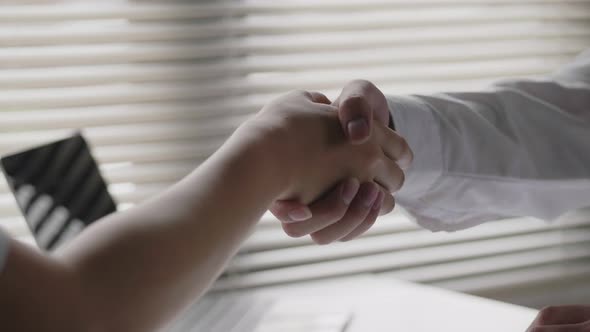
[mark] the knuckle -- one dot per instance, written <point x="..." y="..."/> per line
<point x="351" y="237"/>
<point x="278" y="212"/>
<point x="402" y="150"/>
<point x="293" y="231"/>
<point x="401" y="180"/>
<point x="320" y="239"/>
<point x="370" y="222"/>
<point x="319" y="97"/>
<point x="364" y="84"/>
<point x="546" y="314"/>
<point x="404" y="146"/>
<point x="549" y="310"/>
<point x="357" y="213"/>
<point x="409" y="153"/>
<point x="388" y="207"/>
<point x="372" y="219"/>
<point x="372" y="155"/>
<point x="334" y="212"/>
<point x="301" y="92"/>
<point x="338" y="214"/>
<point x="355" y="104"/>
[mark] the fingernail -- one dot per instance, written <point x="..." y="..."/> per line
<point x="378" y="201"/>
<point x="299" y="214"/>
<point x="349" y="190"/>
<point x="358" y="129"/>
<point x="369" y="196"/>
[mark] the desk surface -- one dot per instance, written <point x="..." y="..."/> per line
<point x="383" y="304"/>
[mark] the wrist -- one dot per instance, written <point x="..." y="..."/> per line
<point x="261" y="150"/>
<point x="416" y="122"/>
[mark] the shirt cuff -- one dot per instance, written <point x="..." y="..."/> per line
<point x="416" y="122"/>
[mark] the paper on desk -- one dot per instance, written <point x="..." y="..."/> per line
<point x="306" y="315"/>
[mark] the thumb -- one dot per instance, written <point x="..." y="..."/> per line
<point x="355" y="116"/>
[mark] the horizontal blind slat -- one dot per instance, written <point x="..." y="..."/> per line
<point x="89" y="116"/>
<point x="560" y="271"/>
<point x="12" y="79"/>
<point x="158" y="33"/>
<point x="77" y="55"/>
<point x="437" y="273"/>
<point x="106" y="10"/>
<point x="278" y="257"/>
<point x="549" y="9"/>
<point x="397" y="260"/>
<point x="132" y="55"/>
<point x="325" y="79"/>
<point x="129" y="134"/>
<point x="155" y="152"/>
<point x="171" y="31"/>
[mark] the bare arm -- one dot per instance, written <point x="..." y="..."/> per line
<point x="133" y="271"/>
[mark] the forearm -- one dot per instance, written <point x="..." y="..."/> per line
<point x="139" y="267"/>
<point x="132" y="271"/>
<point x="517" y="149"/>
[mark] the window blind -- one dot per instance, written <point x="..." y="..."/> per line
<point x="158" y="86"/>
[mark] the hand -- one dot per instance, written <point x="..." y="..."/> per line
<point x="302" y="131"/>
<point x="359" y="103"/>
<point x="345" y="212"/>
<point x="572" y="318"/>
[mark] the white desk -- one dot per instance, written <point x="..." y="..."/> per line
<point x="383" y="304"/>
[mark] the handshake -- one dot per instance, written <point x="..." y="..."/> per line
<point x="338" y="162"/>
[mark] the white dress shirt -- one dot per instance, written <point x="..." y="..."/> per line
<point x="521" y="148"/>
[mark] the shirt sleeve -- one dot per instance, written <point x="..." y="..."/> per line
<point x="520" y="148"/>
